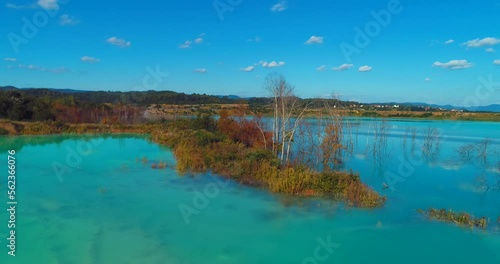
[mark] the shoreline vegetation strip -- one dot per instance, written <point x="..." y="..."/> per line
<point x="198" y="149"/>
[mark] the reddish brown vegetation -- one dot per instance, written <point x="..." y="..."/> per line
<point x="249" y="132"/>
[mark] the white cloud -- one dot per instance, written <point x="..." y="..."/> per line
<point x="29" y="67"/>
<point x="496" y="62"/>
<point x="13" y="6"/>
<point x="186" y="44"/>
<point x="272" y="64"/>
<point x="314" y="40"/>
<point x="248" y="69"/>
<point x="427" y="79"/>
<point x="491" y="50"/>
<point x="10" y="59"/>
<point x="90" y="59"/>
<point x="201" y="70"/>
<point x="343" y="67"/>
<point x="68" y="20"/>
<point x="365" y="68"/>
<point x="48" y="4"/>
<point x="476" y="43"/>
<point x="256" y="39"/>
<point x="449" y="41"/>
<point x="453" y="64"/>
<point x="119" y="42"/>
<point x="32" y="67"/>
<point x="321" y="68"/>
<point x="279" y="7"/>
<point x="57" y="70"/>
<point x="275" y="64"/>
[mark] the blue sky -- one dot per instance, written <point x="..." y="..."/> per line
<point x="364" y="50"/>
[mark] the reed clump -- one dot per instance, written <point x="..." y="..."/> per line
<point x="340" y="185"/>
<point x="462" y="219"/>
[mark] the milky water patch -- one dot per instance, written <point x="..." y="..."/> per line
<point x="448" y="165"/>
<point x="360" y="156"/>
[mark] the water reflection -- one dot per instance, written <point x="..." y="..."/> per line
<point x="19" y="142"/>
<point x="430" y="147"/>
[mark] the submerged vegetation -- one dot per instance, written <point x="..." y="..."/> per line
<point x="462" y="219"/>
<point x="243" y="155"/>
<point x="477" y="153"/>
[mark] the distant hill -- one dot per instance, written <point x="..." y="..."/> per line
<point x="171" y="97"/>
<point x="132" y="97"/>
<point x="50" y="89"/>
<point x="7" y="88"/>
<point x="4" y="88"/>
<point x="68" y="91"/>
<point x="233" y="97"/>
<point x="487" y="108"/>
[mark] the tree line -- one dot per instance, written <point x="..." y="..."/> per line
<point x="19" y="105"/>
<point x="139" y="98"/>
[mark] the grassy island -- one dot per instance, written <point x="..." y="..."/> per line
<point x="461" y="219"/>
<point x="204" y="144"/>
<point x="201" y="145"/>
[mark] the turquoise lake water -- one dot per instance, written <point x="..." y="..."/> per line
<point x="100" y="205"/>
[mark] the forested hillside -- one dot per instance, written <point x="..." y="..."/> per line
<point x="90" y="106"/>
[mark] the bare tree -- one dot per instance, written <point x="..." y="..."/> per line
<point x="285" y="105"/>
<point x="274" y="82"/>
<point x="322" y="144"/>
